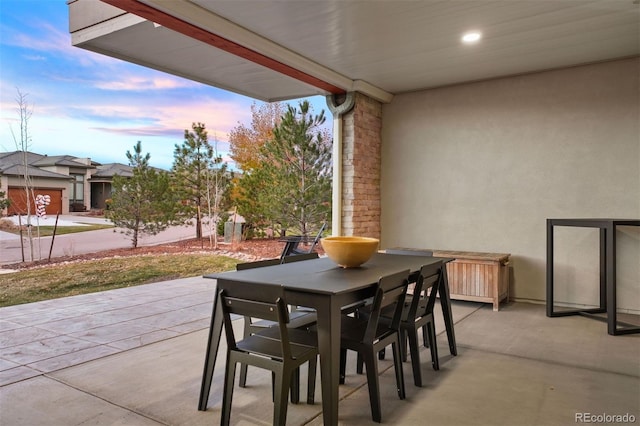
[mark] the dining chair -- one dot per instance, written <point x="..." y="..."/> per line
<point x="367" y="337"/>
<point x="299" y="318"/>
<point x="276" y="352"/>
<point x="417" y="314"/>
<point x="412" y="252"/>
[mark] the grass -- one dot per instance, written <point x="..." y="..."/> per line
<point x="47" y="231"/>
<point x="91" y="276"/>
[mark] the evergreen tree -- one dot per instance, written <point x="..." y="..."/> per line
<point x="143" y="203"/>
<point x="297" y="170"/>
<point x="191" y="166"/>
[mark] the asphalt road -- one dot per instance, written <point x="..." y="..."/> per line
<point x="83" y="242"/>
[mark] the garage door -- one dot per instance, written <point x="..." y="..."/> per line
<point x="19" y="200"/>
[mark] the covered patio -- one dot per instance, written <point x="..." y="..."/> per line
<point x="134" y="356"/>
<point x="437" y="145"/>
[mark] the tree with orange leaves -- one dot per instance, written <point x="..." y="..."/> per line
<point x="246" y="142"/>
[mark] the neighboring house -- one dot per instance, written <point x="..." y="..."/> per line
<point x="101" y="182"/>
<point x="72" y="183"/>
<point x="63" y="177"/>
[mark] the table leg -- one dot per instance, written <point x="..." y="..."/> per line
<point x="215" y="331"/>
<point x="610" y="256"/>
<point x="549" y="268"/>
<point x="445" y="303"/>
<point x="329" y="349"/>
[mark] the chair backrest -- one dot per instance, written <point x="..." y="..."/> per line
<point x="257" y="264"/>
<point x="256" y="301"/>
<point x="391" y="289"/>
<point x="300" y="257"/>
<point x="317" y="239"/>
<point x="425" y="291"/>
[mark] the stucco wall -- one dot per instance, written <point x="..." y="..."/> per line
<point x="481" y="167"/>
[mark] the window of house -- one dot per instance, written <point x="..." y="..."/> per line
<point x="76" y="192"/>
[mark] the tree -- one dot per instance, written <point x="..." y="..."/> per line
<point x="248" y="189"/>
<point x="191" y="167"/>
<point x="4" y="202"/>
<point x="219" y="179"/>
<point x="144" y="203"/>
<point x="23" y="143"/>
<point x="245" y="142"/>
<point x="296" y="170"/>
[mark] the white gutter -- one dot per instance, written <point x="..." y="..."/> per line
<point x="338" y="111"/>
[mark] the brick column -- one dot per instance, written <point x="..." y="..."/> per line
<point x="361" y="168"/>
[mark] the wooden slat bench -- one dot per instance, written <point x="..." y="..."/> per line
<point x="476" y="276"/>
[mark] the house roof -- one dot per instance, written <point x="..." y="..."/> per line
<point x="61" y="160"/>
<point x="13" y="164"/>
<point x="274" y="50"/>
<point x="19" y="170"/>
<point x="108" y="171"/>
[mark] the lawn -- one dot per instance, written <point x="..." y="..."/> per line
<point x="47" y="231"/>
<point x="61" y="280"/>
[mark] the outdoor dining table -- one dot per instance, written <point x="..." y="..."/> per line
<point x="319" y="284"/>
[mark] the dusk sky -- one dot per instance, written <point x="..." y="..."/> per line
<point x="90" y="105"/>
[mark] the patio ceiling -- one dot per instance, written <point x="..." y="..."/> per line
<point x="275" y="50"/>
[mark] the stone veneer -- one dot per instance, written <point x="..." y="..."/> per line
<point x="361" y="168"/>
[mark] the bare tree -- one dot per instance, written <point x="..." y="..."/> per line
<point x="23" y="143"/>
<point x="218" y="181"/>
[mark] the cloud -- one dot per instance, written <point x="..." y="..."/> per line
<point x="143" y="82"/>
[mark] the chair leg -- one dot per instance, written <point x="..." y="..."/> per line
<point x="343" y="365"/>
<point x="311" y="380"/>
<point x="433" y="346"/>
<point x="359" y="364"/>
<point x="282" y="385"/>
<point x="381" y="354"/>
<point x="415" y="357"/>
<point x="243" y="375"/>
<point x="243" y="367"/>
<point x="295" y="386"/>
<point x="227" y="396"/>
<point x="273" y="386"/>
<point x="397" y="361"/>
<point x="425" y="338"/>
<point x="374" y="386"/>
<point x="403" y="345"/>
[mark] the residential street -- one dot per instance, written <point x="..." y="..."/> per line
<point x="83" y="242"/>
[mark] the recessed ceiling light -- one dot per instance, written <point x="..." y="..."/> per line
<point x="471" y="37"/>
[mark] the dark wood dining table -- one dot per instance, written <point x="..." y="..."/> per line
<point x="326" y="287"/>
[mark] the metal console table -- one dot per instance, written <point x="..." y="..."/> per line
<point x="607" y="270"/>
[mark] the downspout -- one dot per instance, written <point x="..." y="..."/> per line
<point x="338" y="110"/>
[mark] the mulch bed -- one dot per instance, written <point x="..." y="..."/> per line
<point x="245" y="250"/>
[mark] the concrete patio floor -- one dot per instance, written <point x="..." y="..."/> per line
<point x="135" y="356"/>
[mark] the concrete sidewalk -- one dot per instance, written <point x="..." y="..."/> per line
<point x="135" y="356"/>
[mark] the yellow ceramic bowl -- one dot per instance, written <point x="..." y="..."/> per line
<point x="349" y="252"/>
